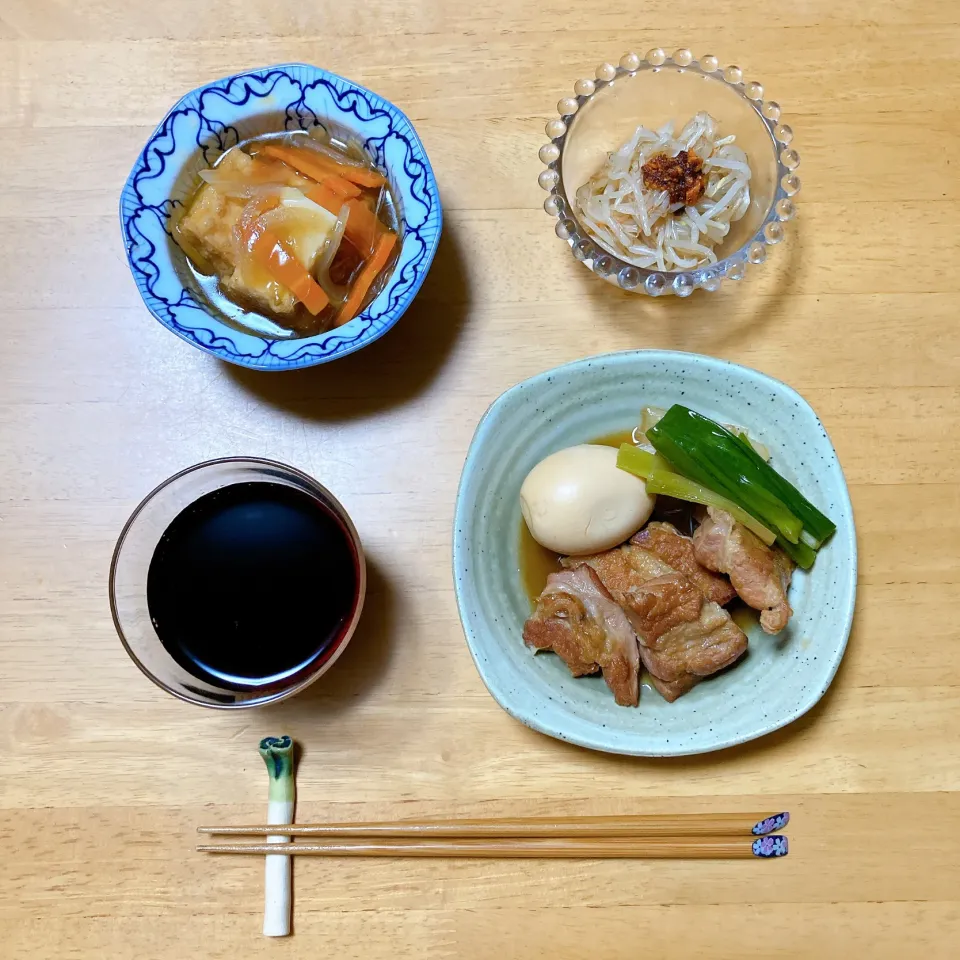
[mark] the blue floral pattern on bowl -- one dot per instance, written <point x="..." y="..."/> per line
<point x="213" y="118"/>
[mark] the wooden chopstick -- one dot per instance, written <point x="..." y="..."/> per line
<point x="594" y="848"/>
<point x="657" y="825"/>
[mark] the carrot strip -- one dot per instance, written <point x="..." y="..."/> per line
<point x="332" y="192"/>
<point x="343" y="187"/>
<point x="369" y="273"/>
<point x="272" y="254"/>
<point x="362" y="228"/>
<point x="299" y="163"/>
<point x="327" y="197"/>
<point x="331" y="196"/>
<point x="319" y="167"/>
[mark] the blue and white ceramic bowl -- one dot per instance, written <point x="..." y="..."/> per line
<point x="213" y="118"/>
<point x="781" y="677"/>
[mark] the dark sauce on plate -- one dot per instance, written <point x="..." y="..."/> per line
<point x="536" y="564"/>
<point x="252" y="585"/>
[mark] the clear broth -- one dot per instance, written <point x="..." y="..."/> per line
<point x="536" y="564"/>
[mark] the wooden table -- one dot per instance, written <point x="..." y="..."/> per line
<point x="103" y="778"/>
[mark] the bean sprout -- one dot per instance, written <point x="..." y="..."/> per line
<point x="641" y="225"/>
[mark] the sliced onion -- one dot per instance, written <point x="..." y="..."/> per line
<point x="336" y="293"/>
<point x="248" y="226"/>
<point x="378" y="206"/>
<point x="232" y="185"/>
<point x="265" y="173"/>
<point x="238" y="190"/>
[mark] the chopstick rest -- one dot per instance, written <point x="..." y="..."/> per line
<point x="278" y="755"/>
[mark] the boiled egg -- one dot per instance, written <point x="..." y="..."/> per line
<point x="577" y="501"/>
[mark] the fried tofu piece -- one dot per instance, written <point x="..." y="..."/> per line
<point x="209" y="229"/>
<point x="209" y="226"/>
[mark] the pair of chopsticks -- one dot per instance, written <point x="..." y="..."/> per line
<point x="721" y="836"/>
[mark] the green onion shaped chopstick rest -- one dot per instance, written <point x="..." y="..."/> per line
<point x="277" y="753"/>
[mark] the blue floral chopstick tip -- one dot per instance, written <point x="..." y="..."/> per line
<point x="769" y="847"/>
<point x="771" y="824"/>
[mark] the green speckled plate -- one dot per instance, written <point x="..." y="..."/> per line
<point x="781" y="677"/>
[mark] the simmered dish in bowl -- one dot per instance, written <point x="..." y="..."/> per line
<point x="631" y="593"/>
<point x="498" y="575"/>
<point x="291" y="233"/>
<point x="350" y="133"/>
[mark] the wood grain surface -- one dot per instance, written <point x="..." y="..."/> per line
<point x="103" y="778"/>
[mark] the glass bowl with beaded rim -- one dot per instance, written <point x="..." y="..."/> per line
<point x="603" y="113"/>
